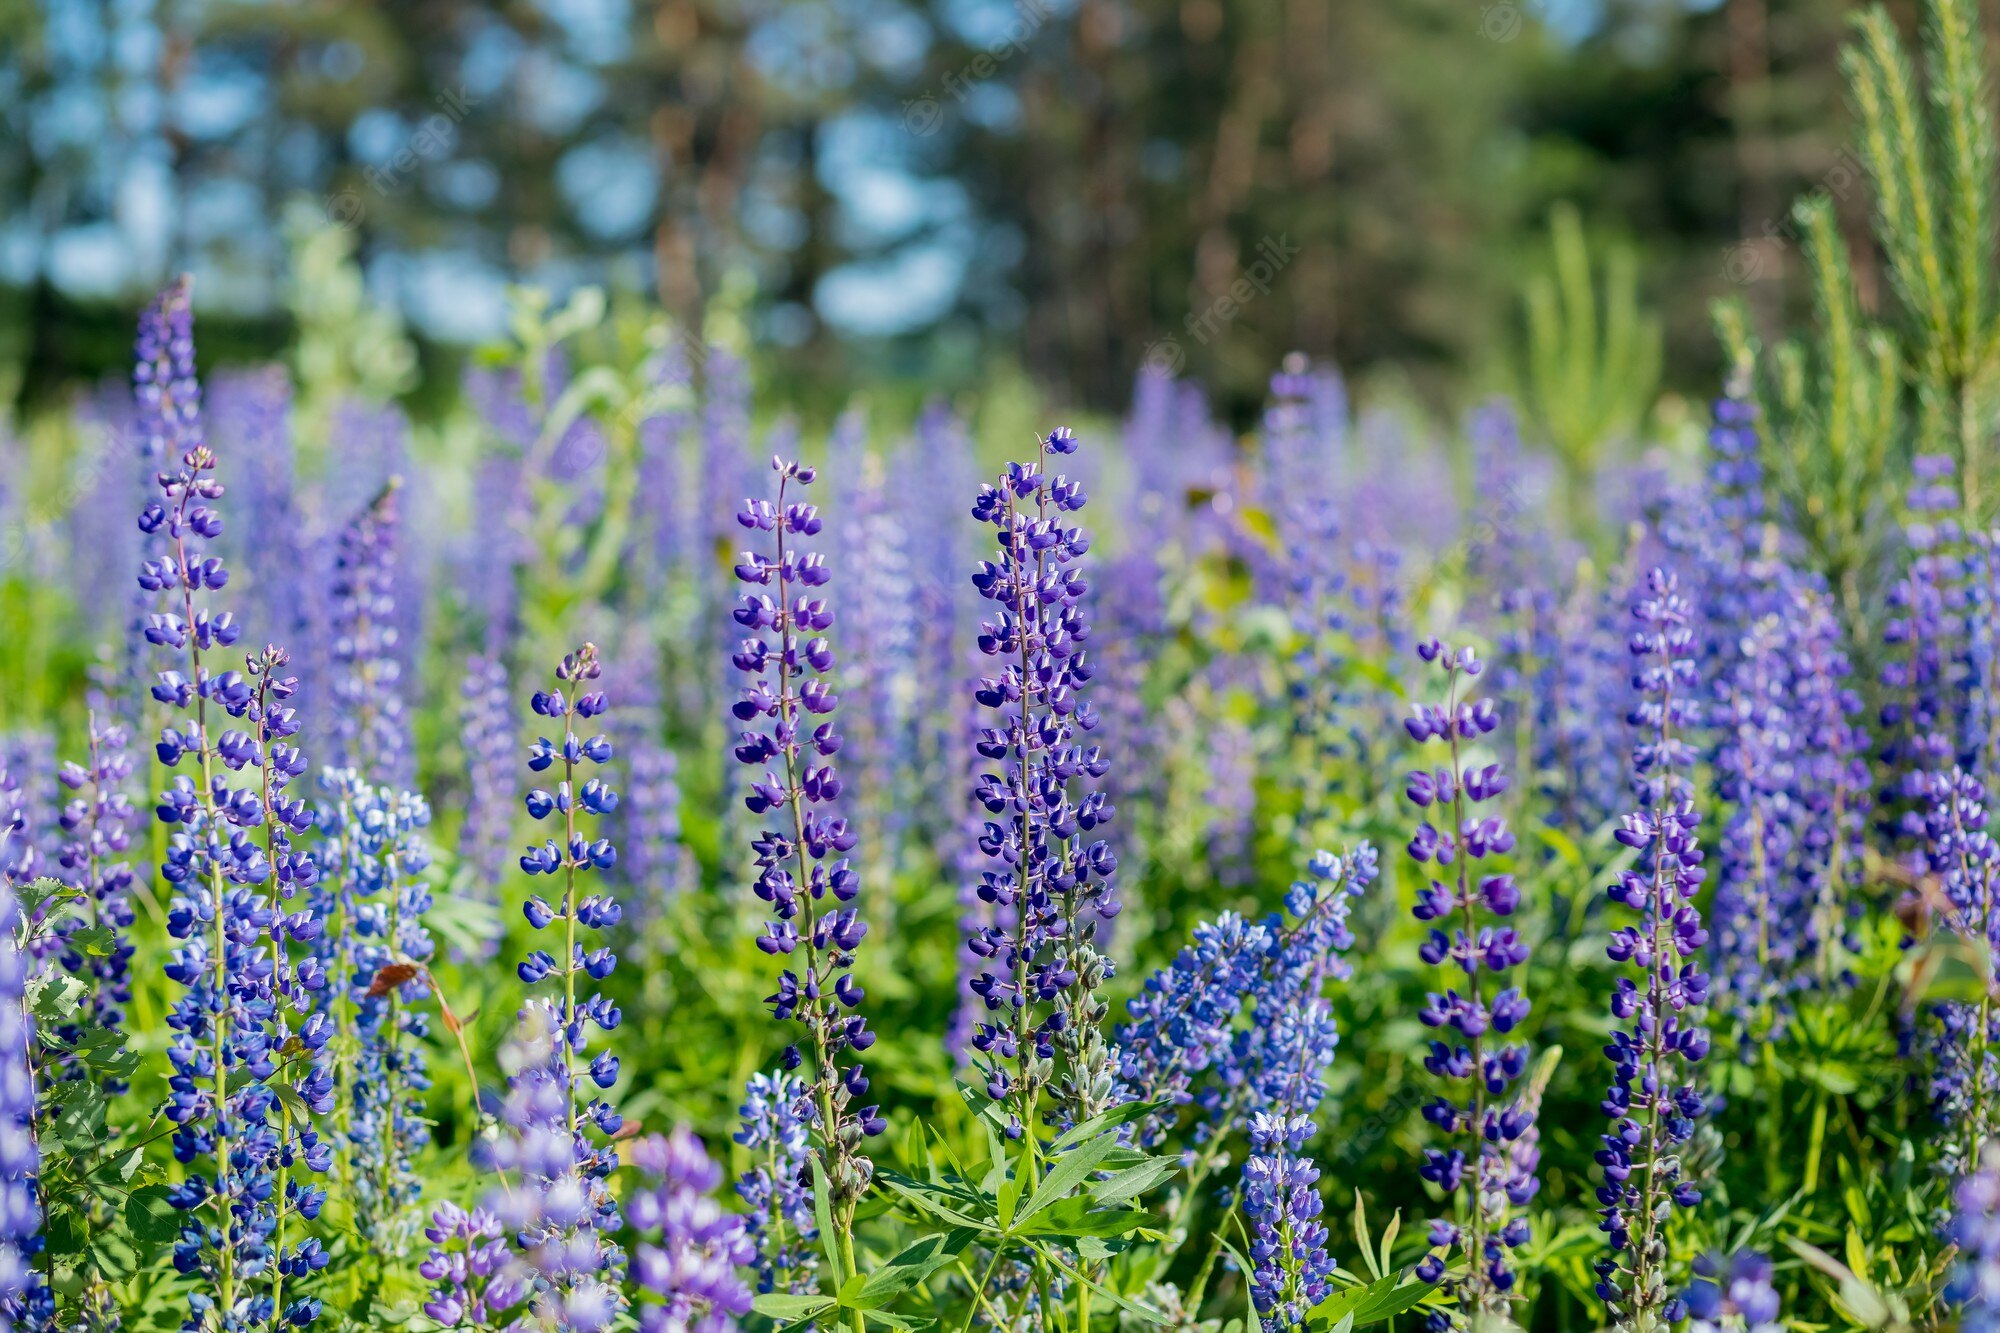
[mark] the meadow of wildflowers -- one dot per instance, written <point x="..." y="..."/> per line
<point x="552" y="870"/>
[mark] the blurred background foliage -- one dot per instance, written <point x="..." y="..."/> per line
<point x="941" y="191"/>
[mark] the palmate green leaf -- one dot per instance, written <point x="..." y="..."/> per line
<point x="1132" y="1181"/>
<point x="1076" y="1216"/>
<point x="1070" y="1171"/>
<point x="790" y="1309"/>
<point x="909" y="1268"/>
<point x="1371" y="1303"/>
<point x="956" y="1206"/>
<point x="1116" y="1118"/>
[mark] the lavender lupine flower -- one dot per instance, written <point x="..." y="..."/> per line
<point x="30" y="757"/>
<point x="935" y="471"/>
<point x="1305" y="438"/>
<point x="692" y="1268"/>
<point x="98" y="823"/>
<point x="476" y="1278"/>
<point x="655" y="862"/>
<point x="1980" y="741"/>
<point x="487" y="735"/>
<point x="1184" y="1019"/>
<point x="579" y="1216"/>
<point x="1835" y="783"/>
<point x="1044" y="969"/>
<point x="1239" y="1024"/>
<point x="1283" y="1056"/>
<point x="1293" y="1271"/>
<point x="1974" y="1286"/>
<point x="880" y="619"/>
<point x="1477" y="1171"/>
<point x="232" y="955"/>
<point x="1962" y="853"/>
<point x="24" y="1301"/>
<point x="382" y="899"/>
<point x="802" y="862"/>
<point x="17" y="846"/>
<point x="1761" y="918"/>
<point x="1654" y="1098"/>
<point x="1733" y="1296"/>
<point x="1921" y="635"/>
<point x="370" y="732"/>
<point x="776" y="1132"/>
<point x="552" y="1197"/>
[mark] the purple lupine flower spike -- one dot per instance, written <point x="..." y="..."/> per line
<point x="369" y="729"/>
<point x="786" y="708"/>
<point x="776" y="1131"/>
<point x="98" y="823"/>
<point x="25" y="1302"/>
<point x="1051" y="873"/>
<point x="556" y="1087"/>
<point x="1654" y="1099"/>
<point x="1961" y="853"/>
<point x="476" y="1278"/>
<point x="1483" y="1114"/>
<point x="233" y="954"/>
<point x="1974" y="1286"/>
<point x="691" y="1269"/>
<point x="487" y="735"/>
<point x="383" y="899"/>
<point x="1734" y="1296"/>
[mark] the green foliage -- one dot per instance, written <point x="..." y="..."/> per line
<point x="1931" y="154"/>
<point x="1593" y="361"/>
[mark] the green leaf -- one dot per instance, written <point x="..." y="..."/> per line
<point x="909" y="1268"/>
<point x="1115" y="1118"/>
<point x="1384" y="1298"/>
<point x="1069" y="1172"/>
<point x="149" y="1217"/>
<point x="791" y="1309"/>
<point x="1135" y="1180"/>
<point x="823" y="1215"/>
<point x="1362" y="1242"/>
<point x="937" y="1201"/>
<point x="1075" y="1217"/>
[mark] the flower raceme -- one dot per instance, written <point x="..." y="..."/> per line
<point x="1048" y="882"/>
<point x="1654" y="1098"/>
<point x="787" y="706"/>
<point x="233" y="954"/>
<point x="1479" y="1171"/>
<point x="553" y="1101"/>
